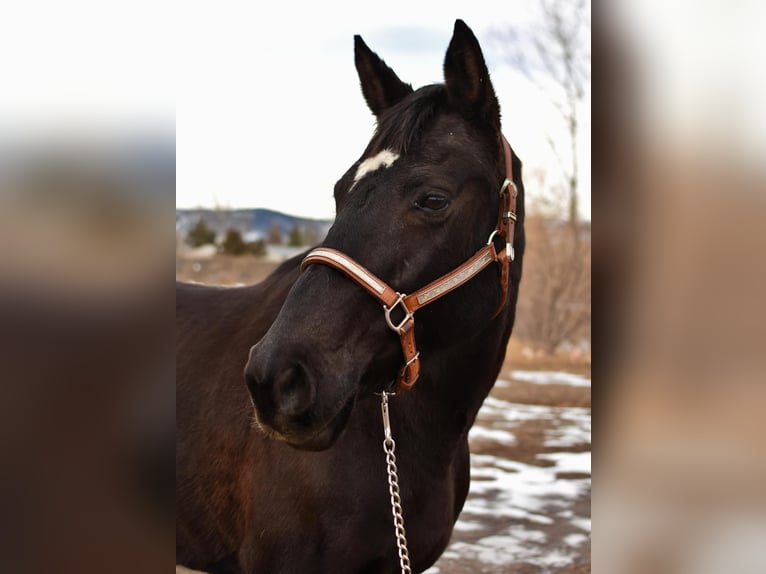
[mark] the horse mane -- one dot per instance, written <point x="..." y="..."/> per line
<point x="400" y="126"/>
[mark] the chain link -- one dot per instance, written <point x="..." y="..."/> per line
<point x="389" y="446"/>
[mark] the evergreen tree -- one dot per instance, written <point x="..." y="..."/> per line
<point x="233" y="244"/>
<point x="200" y="234"/>
<point x="257" y="247"/>
<point x="296" y="237"/>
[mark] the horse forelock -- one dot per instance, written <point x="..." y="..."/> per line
<point x="400" y="127"/>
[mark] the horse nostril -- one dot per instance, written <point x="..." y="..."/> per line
<point x="292" y="391"/>
<point x="288" y="393"/>
<point x="257" y="385"/>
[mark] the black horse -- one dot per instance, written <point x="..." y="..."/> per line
<point x="285" y="472"/>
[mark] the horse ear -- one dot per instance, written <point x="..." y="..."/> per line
<point x="381" y="87"/>
<point x="467" y="78"/>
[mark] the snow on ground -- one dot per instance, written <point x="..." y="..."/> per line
<point x="551" y="378"/>
<point x="535" y="513"/>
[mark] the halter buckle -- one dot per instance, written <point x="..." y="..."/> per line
<point x="507" y="184"/>
<point x="399" y="329"/>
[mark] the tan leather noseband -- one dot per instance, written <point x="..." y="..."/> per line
<point x="391" y="299"/>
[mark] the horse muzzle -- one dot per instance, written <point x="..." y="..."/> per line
<point x="286" y="402"/>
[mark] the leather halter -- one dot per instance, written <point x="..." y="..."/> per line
<point x="391" y="299"/>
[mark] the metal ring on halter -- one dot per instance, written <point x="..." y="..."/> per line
<point x="407" y="314"/>
<point x="508" y="247"/>
<point x="508" y="183"/>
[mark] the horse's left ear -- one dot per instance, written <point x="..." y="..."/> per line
<point x="467" y="78"/>
<point x="381" y="87"/>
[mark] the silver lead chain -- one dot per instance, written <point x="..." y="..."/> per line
<point x="393" y="488"/>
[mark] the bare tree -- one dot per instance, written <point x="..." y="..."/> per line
<point x="555" y="306"/>
<point x="557" y="52"/>
<point x="274" y="234"/>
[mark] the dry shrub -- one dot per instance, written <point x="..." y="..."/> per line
<point x="554" y="306"/>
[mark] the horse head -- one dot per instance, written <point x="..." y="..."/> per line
<point x="417" y="204"/>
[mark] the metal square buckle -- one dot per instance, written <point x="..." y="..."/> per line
<point x="399" y="329"/>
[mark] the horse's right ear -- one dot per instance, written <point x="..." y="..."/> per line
<point x="381" y="87"/>
<point x="467" y="78"/>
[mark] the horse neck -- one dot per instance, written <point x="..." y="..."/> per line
<point x="453" y="385"/>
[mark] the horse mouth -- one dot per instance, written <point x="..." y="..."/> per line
<point x="315" y="440"/>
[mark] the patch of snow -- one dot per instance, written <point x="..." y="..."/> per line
<point x="574" y="429"/>
<point x="569" y="461"/>
<point x="575" y="539"/>
<point x="519" y="500"/>
<point x="501" y="436"/>
<point x="202" y="252"/>
<point x="468" y="526"/>
<point x="554" y="559"/>
<point x="494" y="408"/>
<point x="581" y="523"/>
<point x="551" y="378"/>
<point x="502" y="550"/>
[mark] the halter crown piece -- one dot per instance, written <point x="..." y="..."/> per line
<point x="391" y="299"/>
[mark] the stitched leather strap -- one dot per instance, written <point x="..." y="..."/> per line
<point x="391" y="299"/>
<point x="452" y="280"/>
<point x="506" y="223"/>
<point x="360" y="274"/>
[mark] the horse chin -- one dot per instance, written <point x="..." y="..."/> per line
<point x="318" y="440"/>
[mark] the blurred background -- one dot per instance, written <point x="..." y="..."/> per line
<point x="678" y="194"/>
<point x="87" y="189"/>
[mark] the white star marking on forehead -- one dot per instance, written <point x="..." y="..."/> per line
<point x="385" y="158"/>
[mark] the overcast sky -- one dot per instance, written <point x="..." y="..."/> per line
<point x="265" y="98"/>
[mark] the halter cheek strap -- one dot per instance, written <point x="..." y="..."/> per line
<point x="391" y="299"/>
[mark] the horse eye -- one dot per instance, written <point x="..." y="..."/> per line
<point x="432" y="202"/>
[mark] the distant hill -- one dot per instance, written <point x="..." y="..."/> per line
<point x="252" y="223"/>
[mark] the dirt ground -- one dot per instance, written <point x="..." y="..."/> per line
<point x="528" y="510"/>
<point x="224" y="269"/>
